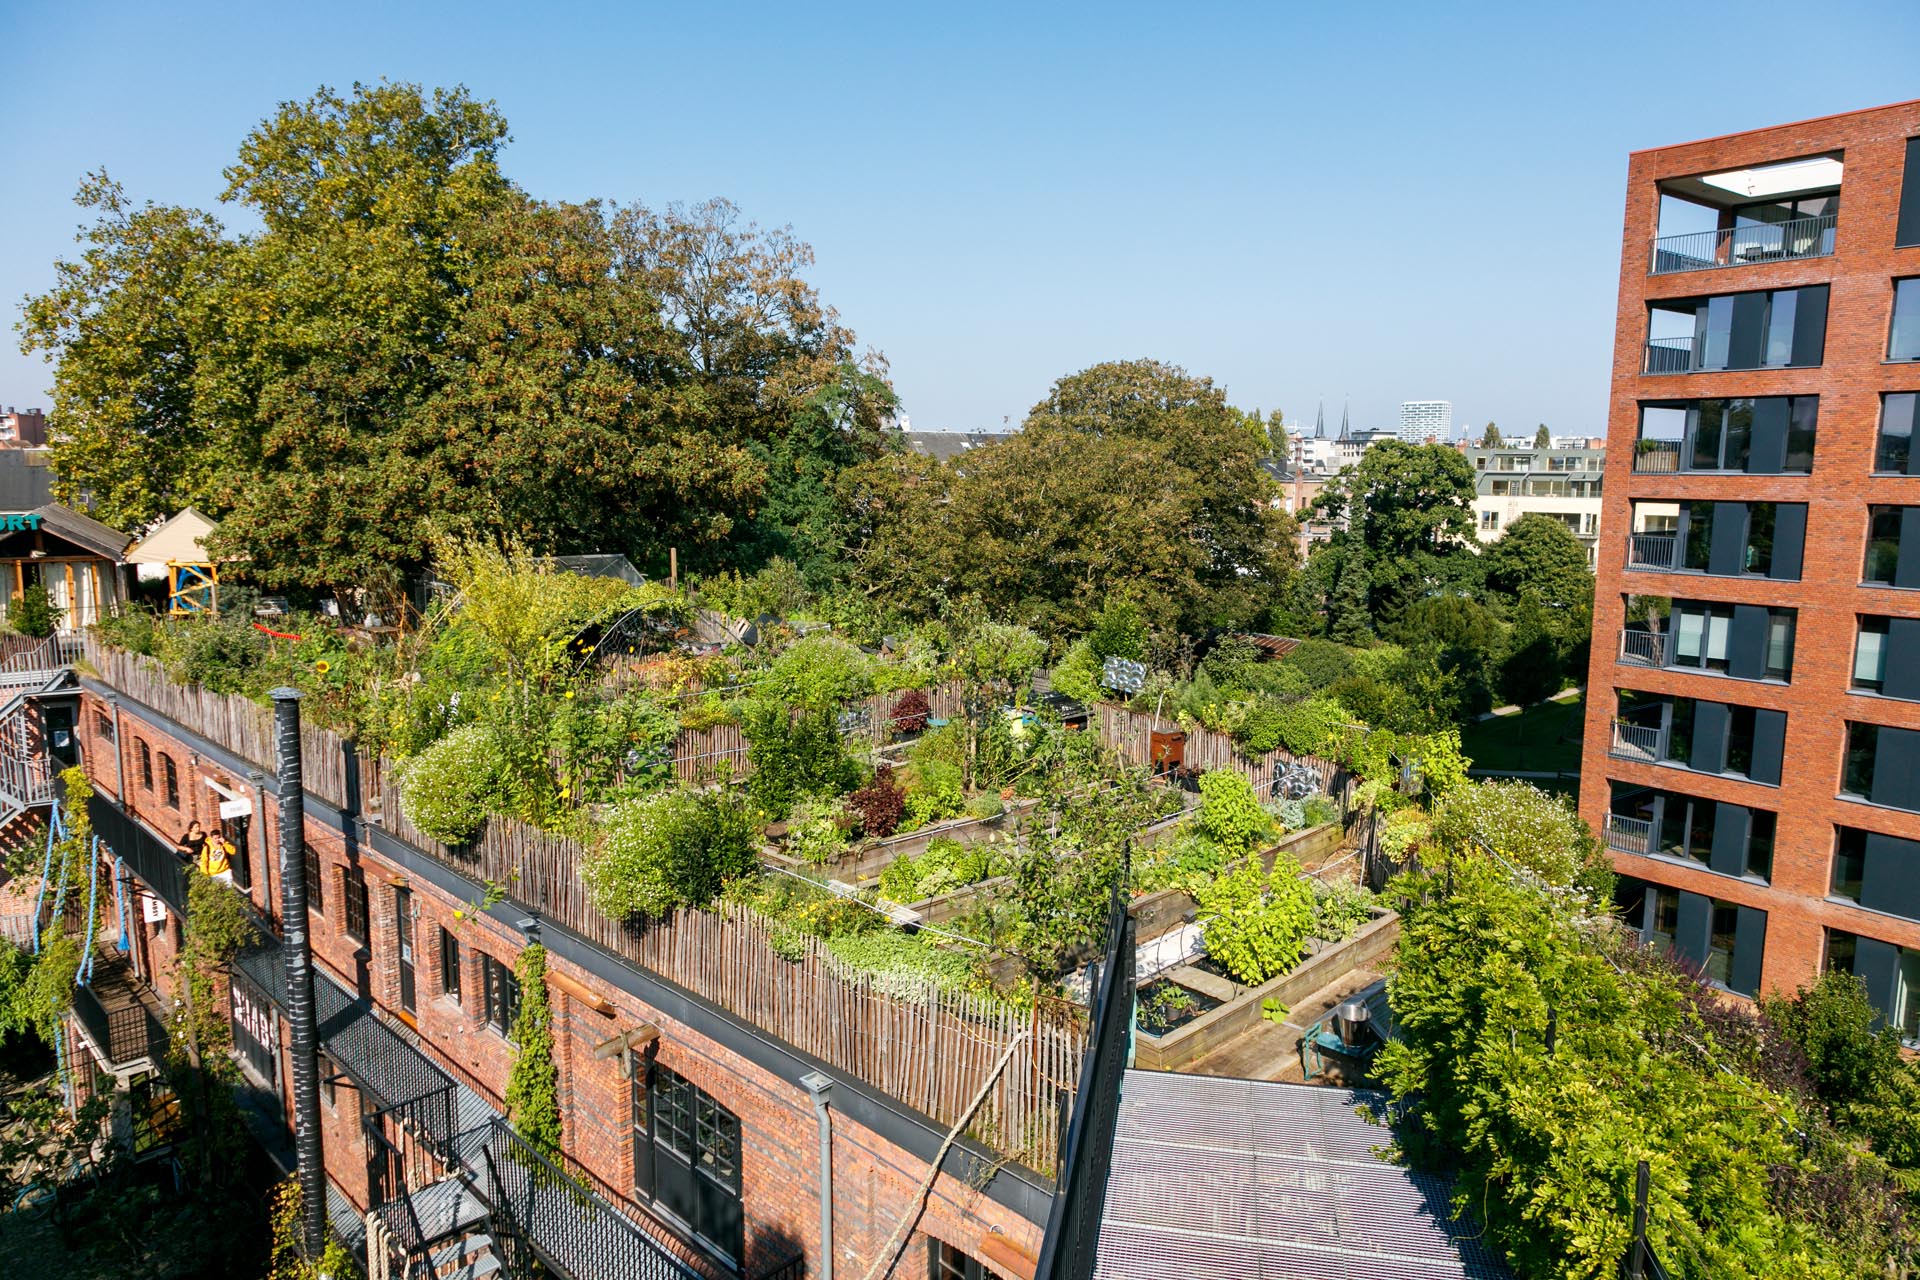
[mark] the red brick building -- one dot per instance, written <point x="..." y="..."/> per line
<point x="691" y="1138"/>
<point x="1753" y="736"/>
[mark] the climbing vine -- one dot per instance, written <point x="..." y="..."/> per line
<point x="533" y="1087"/>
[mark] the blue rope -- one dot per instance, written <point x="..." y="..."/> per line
<point x="120" y="899"/>
<point x="46" y="869"/>
<point x="85" y="975"/>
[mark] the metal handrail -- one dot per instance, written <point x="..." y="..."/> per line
<point x="122" y="1036"/>
<point x="1642" y="742"/>
<point x="1643" y="648"/>
<point x="1662" y="459"/>
<point x="1629" y="835"/>
<point x="1744" y="246"/>
<point x="1672" y="355"/>
<point x="1653" y="551"/>
<point x="413" y="1250"/>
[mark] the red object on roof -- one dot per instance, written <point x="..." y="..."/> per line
<point x="1271" y="647"/>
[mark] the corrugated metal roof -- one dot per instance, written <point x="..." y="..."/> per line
<point x="1222" y="1179"/>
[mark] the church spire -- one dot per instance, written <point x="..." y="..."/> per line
<point x="1320" y="420"/>
<point x="1345" y="433"/>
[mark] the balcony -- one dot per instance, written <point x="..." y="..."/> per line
<point x="1656" y="551"/>
<point x="1744" y="246"/>
<point x="1672" y="355"/>
<point x="1657" y="457"/>
<point x="1629" y="835"/>
<point x="120" y="1016"/>
<point x="1643" y="648"/>
<point x="1646" y="744"/>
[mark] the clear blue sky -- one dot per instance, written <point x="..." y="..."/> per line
<point x="1396" y="201"/>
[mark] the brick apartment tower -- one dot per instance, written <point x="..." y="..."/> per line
<point x="1752" y="746"/>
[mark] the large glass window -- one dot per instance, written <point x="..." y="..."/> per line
<point x="1893" y="451"/>
<point x="500" y="992"/>
<point x="687" y="1157"/>
<point x="1863" y="742"/>
<point x="1904" y="342"/>
<point x="1779" y="662"/>
<point x="1870" y="655"/>
<point x="1666" y="919"/>
<point x="1720" y="942"/>
<point x="1759" y="551"/>
<point x="354" y="895"/>
<point x="1849" y="863"/>
<point x="1883" y="544"/>
<point x="1700" y="636"/>
<point x="1760" y="843"/>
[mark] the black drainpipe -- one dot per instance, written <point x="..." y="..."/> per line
<point x="298" y="950"/>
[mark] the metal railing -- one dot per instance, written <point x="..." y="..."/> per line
<point x="1744" y="246"/>
<point x="1653" y="551"/>
<point x="408" y="1239"/>
<point x="1657" y="457"/>
<point x="1671" y="355"/>
<point x="150" y="858"/>
<point x="1647" y="743"/>
<point x="569" y="1228"/>
<point x="122" y="1036"/>
<point x="1643" y="648"/>
<point x="1629" y="835"/>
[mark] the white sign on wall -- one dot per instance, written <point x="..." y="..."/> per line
<point x="152" y="910"/>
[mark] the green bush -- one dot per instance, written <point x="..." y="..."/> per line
<point x="1256" y="927"/>
<point x="1077" y="673"/>
<point x="1312" y="727"/>
<point x="1230" y="814"/>
<point x="1318" y="811"/>
<point x="33" y="613"/>
<point x="902" y="966"/>
<point x="449" y="789"/>
<point x="945" y="864"/>
<point x="814" y="833"/>
<point x="985" y="806"/>
<point x="1529" y="828"/>
<point x="794" y="754"/>
<point x="1340" y="908"/>
<point x="671" y="849"/>
<point x="935" y="791"/>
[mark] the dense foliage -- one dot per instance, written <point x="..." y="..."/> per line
<point x="671" y="849"/>
<point x="533" y="1083"/>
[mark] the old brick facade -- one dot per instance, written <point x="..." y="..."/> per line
<point x="1850" y="378"/>
<point x="876" y="1176"/>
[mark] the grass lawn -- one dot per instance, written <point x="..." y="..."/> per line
<point x="1545" y="737"/>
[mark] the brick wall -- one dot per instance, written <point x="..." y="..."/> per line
<point x="1849" y="383"/>
<point x="875" y="1181"/>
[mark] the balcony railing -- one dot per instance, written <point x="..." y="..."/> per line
<point x="1744" y="246"/>
<point x="1643" y="648"/>
<point x="116" y="1013"/>
<point x="1671" y="355"/>
<point x="1653" y="551"/>
<point x="1646" y="743"/>
<point x="1657" y="457"/>
<point x="1629" y="835"/>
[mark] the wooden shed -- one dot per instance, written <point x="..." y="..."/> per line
<point x="76" y="557"/>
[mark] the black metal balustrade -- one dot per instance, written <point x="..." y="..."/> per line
<point x="119" y="1016"/>
<point x="1646" y="743"/>
<point x="1643" y="648"/>
<point x="1671" y="355"/>
<point x="147" y="856"/>
<point x="1653" y="551"/>
<point x="1629" y="835"/>
<point x="1657" y="457"/>
<point x="1744" y="246"/>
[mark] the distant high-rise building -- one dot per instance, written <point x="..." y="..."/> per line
<point x="23" y="427"/>
<point x="1424" y="420"/>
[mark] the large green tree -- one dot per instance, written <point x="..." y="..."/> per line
<point x="1405" y="514"/>
<point x="1539" y="556"/>
<point x="410" y="344"/>
<point x="1134" y="479"/>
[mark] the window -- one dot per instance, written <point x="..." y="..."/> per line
<point x="1856" y="775"/>
<point x="1904" y="341"/>
<point x="1907" y="227"/>
<point x="315" y="878"/>
<point x="1748" y="642"/>
<point x="171" y="777"/>
<point x="449" y="964"/>
<point x="146" y="764"/>
<point x="1891" y="974"/>
<point x="354" y="895"/>
<point x="1883" y="545"/>
<point x="1700" y="636"/>
<point x="1760" y="843"/>
<point x="686" y="1157"/>
<point x="103" y="725"/>
<point x="1775" y="329"/>
<point x="1489" y="519"/>
<point x="1724" y="926"/>
<point x="1876" y="870"/>
<point x="500" y="991"/>
<point x="1849" y="864"/>
<point x="948" y="1263"/>
<point x="1870" y="655"/>
<point x="1666" y="919"/>
<point x="1893" y="451"/>
<point x="1771" y="435"/>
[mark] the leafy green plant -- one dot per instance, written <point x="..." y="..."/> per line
<point x="903" y="966"/>
<point x="33" y="613"/>
<point x="1230" y="814"/>
<point x="1340" y="907"/>
<point x="946" y="864"/>
<point x="814" y="832"/>
<point x="1256" y="926"/>
<point x="794" y="753"/>
<point x="880" y="804"/>
<point x="934" y="792"/>
<point x="670" y="849"/>
<point x="1274" y="1010"/>
<point x="986" y="805"/>
<point x="449" y="789"/>
<point x="533" y="1083"/>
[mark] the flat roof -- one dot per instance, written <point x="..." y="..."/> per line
<point x="1768" y="128"/>
<point x="1222" y="1179"/>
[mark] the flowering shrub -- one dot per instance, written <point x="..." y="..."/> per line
<point x="449" y="789"/>
<point x="880" y="804"/>
<point x="1527" y="827"/>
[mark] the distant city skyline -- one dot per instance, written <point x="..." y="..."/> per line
<point x="1297" y="209"/>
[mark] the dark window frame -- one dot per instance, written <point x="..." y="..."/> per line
<point x="103" y="725"/>
<point x="353" y="899"/>
<point x="170" y="781"/>
<point x="316" y="878"/>
<point x="146" y="764"/>
<point x="1904" y="324"/>
<point x="500" y="994"/>
<point x="449" y="964"/>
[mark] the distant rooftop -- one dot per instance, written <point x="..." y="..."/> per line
<point x="1219" y="1179"/>
<point x="950" y="444"/>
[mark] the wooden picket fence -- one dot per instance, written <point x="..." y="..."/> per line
<point x="1130" y="733"/>
<point x="929" y="1048"/>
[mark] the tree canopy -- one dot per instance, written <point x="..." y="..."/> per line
<point x="1407" y="516"/>
<point x="1132" y="478"/>
<point x="412" y="344"/>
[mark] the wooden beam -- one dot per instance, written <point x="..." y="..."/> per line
<point x="1007" y="1255"/>
<point x="583" y="993"/>
<point x="638" y="1038"/>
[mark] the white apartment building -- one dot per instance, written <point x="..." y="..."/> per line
<point x="1513" y="481"/>
<point x="1423" y="420"/>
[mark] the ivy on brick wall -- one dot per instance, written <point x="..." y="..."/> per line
<point x="533" y="1086"/>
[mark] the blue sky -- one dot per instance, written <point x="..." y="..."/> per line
<point x="1391" y="201"/>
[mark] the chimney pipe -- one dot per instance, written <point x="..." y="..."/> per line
<point x="297" y="949"/>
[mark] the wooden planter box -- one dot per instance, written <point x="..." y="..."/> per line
<point x="1243" y="1012"/>
<point x="865" y="861"/>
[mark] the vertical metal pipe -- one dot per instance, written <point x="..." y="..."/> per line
<point x="297" y="949"/>
<point x="821" y="1088"/>
<point x="119" y="757"/>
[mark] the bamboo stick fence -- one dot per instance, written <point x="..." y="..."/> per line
<point x="924" y="1046"/>
<point x="1129" y="733"/>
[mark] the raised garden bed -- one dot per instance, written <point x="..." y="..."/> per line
<point x="1208" y="1031"/>
<point x="865" y="861"/>
<point x="1163" y="1006"/>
